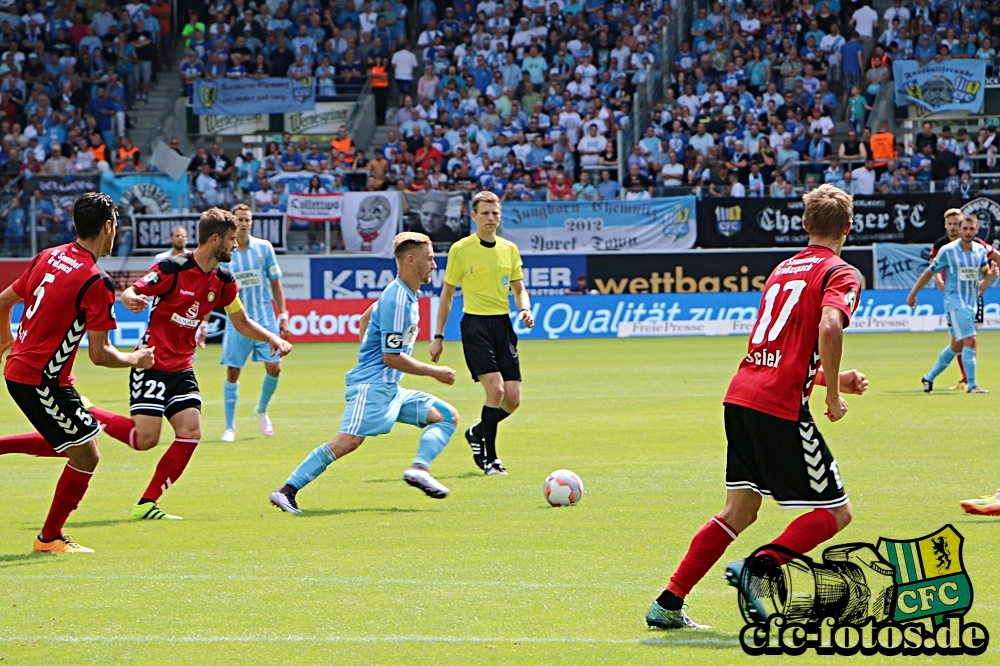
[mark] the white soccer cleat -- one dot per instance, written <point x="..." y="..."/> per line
<point x="265" y="423"/>
<point x="422" y="479"/>
<point x="228" y="435"/>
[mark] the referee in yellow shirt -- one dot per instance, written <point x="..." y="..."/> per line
<point x="488" y="268"/>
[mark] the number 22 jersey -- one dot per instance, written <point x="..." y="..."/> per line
<point x="776" y="375"/>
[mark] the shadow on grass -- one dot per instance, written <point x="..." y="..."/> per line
<point x="395" y="479"/>
<point x="918" y="391"/>
<point x="23" y="559"/>
<point x="99" y="523"/>
<point x="335" y="512"/>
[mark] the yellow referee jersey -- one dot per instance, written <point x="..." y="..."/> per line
<point x="485" y="274"/>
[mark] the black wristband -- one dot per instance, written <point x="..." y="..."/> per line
<point x="439" y="337"/>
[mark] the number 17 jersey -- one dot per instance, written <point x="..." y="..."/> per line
<point x="776" y="375"/>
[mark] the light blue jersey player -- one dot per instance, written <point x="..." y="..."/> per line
<point x="375" y="401"/>
<point x="259" y="276"/>
<point x="964" y="263"/>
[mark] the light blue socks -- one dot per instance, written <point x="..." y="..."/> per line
<point x="432" y="442"/>
<point x="944" y="360"/>
<point x="315" y="464"/>
<point x="969" y="359"/>
<point x="266" y="391"/>
<point x="231" y="393"/>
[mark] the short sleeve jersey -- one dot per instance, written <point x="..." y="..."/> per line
<point x="485" y="272"/>
<point x="391" y="330"/>
<point x="776" y="375"/>
<point x="254" y="268"/>
<point x="962" y="270"/>
<point x="182" y="295"/>
<point x="65" y="294"/>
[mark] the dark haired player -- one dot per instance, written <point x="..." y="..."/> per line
<point x="774" y="447"/>
<point x="65" y="293"/>
<point x="183" y="289"/>
<point x="375" y="400"/>
<point x="489" y="268"/>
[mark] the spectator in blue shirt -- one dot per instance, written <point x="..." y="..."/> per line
<point x="13" y="235"/>
<point x="608" y="189"/>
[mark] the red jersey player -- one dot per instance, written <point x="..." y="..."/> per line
<point x="183" y="288"/>
<point x="774" y="448"/>
<point x="65" y="293"/>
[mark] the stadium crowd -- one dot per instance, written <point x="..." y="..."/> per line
<point x="526" y="98"/>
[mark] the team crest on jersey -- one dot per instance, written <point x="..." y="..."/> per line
<point x="851" y="299"/>
<point x="211" y="296"/>
<point x="151" y="278"/>
<point x="192" y="312"/>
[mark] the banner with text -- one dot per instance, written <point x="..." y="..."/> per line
<point x="366" y="277"/>
<point x="899" y="266"/>
<point x="339" y="321"/>
<point x="62" y="191"/>
<point x="948" y="85"/>
<point x="649" y="315"/>
<point x="315" y="207"/>
<point x="152" y="232"/>
<point x="598" y="227"/>
<point x="246" y="96"/>
<point x="746" y="222"/>
<point x="326" y="118"/>
<point x="703" y="271"/>
<point x="370" y="221"/>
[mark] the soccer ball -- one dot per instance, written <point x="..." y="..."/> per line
<point x="563" y="488"/>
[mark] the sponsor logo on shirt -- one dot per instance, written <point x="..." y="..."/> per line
<point x="249" y="278"/>
<point x="394" y="340"/>
<point x="184" y="321"/>
<point x="151" y="278"/>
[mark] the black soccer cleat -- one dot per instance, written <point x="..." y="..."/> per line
<point x="928" y="384"/>
<point x="477" y="445"/>
<point x="495" y="468"/>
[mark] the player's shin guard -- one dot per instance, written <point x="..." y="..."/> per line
<point x="969" y="359"/>
<point x="120" y="427"/>
<point x="432" y="442"/>
<point x="69" y="491"/>
<point x="488" y="427"/>
<point x="944" y="360"/>
<point x="267" y="389"/>
<point x="315" y="464"/>
<point x="30" y="443"/>
<point x="230" y="393"/>
<point x="170" y="468"/>
<point x="707" y="546"/>
<point x="807" y="531"/>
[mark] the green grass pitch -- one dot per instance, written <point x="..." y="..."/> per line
<point x="376" y="573"/>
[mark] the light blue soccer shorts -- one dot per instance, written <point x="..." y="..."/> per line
<point x="372" y="409"/>
<point x="962" y="323"/>
<point x="236" y="348"/>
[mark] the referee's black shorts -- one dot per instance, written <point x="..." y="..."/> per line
<point x="490" y="345"/>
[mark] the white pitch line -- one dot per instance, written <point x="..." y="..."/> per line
<point x="680" y="642"/>
<point x="355" y="581"/>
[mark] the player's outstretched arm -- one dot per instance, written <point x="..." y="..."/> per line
<point x="8" y="299"/>
<point x="255" y="331"/>
<point x="831" y="349"/>
<point x="103" y="353"/>
<point x="922" y="281"/>
<point x="523" y="303"/>
<point x="409" y="365"/>
<point x="444" y="309"/>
